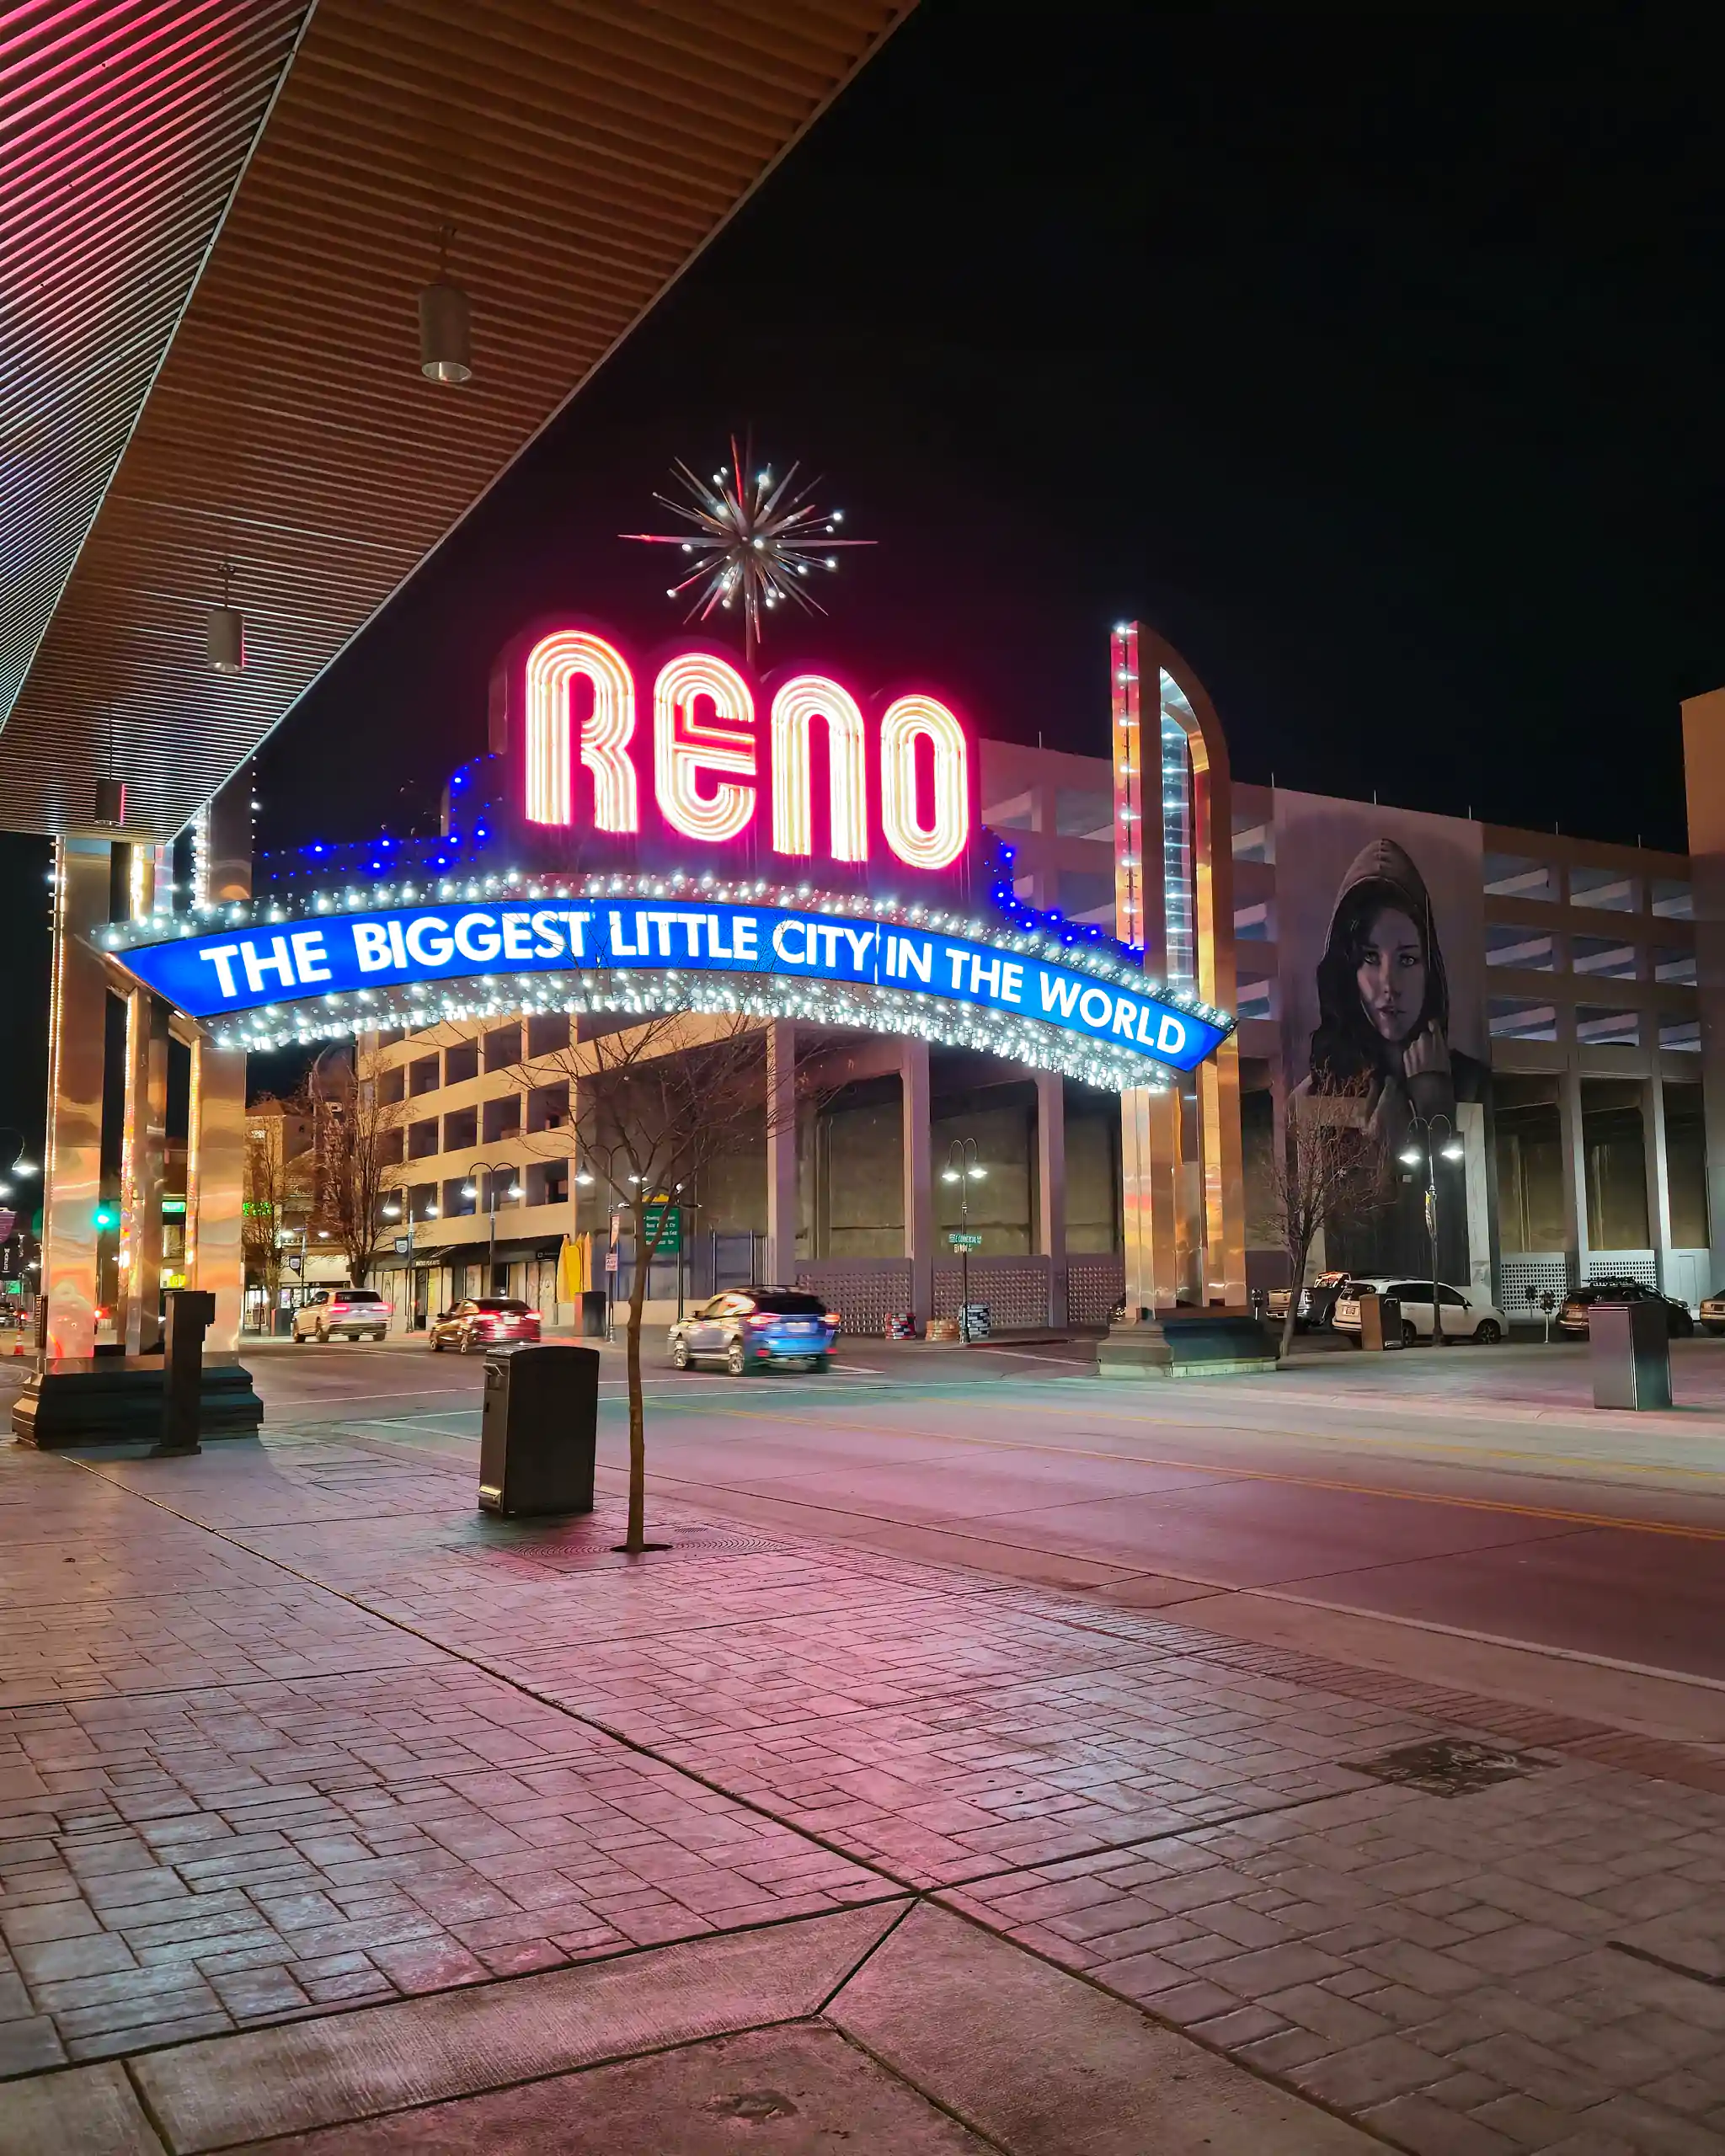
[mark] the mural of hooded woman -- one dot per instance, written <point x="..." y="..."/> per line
<point x="1384" y="999"/>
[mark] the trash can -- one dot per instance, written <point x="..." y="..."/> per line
<point x="595" y="1311"/>
<point x="1381" y="1322"/>
<point x="540" y="1428"/>
<point x="1630" y="1349"/>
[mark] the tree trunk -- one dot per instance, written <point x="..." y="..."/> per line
<point x="1287" y="1346"/>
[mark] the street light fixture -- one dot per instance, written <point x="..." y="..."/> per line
<point x="470" y="1188"/>
<point x="394" y="1212"/>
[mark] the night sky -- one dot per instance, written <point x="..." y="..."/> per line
<point x="1378" y="360"/>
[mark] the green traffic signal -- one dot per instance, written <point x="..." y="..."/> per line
<point x="107" y="1216"/>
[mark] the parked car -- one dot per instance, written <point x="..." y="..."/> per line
<point x="1573" y="1316"/>
<point x="752" y="1328"/>
<point x="1469" y="1313"/>
<point x="483" y="1322"/>
<point x="1314" y="1311"/>
<point x="342" y="1314"/>
<point x="1713" y="1313"/>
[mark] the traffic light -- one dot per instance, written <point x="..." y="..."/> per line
<point x="107" y="1216"/>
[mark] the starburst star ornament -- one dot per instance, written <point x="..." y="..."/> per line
<point x="754" y="544"/>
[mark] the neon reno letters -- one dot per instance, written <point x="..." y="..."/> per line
<point x="261" y="966"/>
<point x="707" y="761"/>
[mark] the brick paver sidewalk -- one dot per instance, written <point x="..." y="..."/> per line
<point x="287" y="1728"/>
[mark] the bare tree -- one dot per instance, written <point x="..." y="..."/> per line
<point x="358" y="1142"/>
<point x="278" y="1172"/>
<point x="1333" y="1169"/>
<point x="654" y="1104"/>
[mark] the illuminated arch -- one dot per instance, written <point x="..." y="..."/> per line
<point x="795" y="709"/>
<point x="685" y="745"/>
<point x="553" y="664"/>
<point x="938" y="843"/>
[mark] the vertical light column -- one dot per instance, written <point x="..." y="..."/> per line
<point x="1148" y="1132"/>
<point x="71" y="1165"/>
<point x="1653" y="1159"/>
<point x="143" y="1167"/>
<point x="1574" y="1152"/>
<point x="216" y="1153"/>
<point x="1051" y="1188"/>
<point x="919" y="1194"/>
<point x="781" y="1152"/>
<point x="1704" y="792"/>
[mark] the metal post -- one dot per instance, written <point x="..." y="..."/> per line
<point x="189" y="1311"/>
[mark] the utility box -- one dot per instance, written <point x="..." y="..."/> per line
<point x="1629" y="1348"/>
<point x="595" y="1313"/>
<point x="1381" y="1322"/>
<point x="540" y="1429"/>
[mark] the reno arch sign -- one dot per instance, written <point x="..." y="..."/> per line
<point x="796" y="776"/>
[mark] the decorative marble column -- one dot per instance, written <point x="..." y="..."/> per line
<point x="1051" y="1188"/>
<point x="71" y="1165"/>
<point x="781" y="1152"/>
<point x="919" y="1194"/>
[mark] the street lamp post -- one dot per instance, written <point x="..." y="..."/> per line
<point x="1426" y="1155"/>
<point x="394" y="1212"/>
<point x="470" y="1188"/>
<point x="964" y="1168"/>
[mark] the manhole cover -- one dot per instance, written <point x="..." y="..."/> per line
<point x="1451" y="1766"/>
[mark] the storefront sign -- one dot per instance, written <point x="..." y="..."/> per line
<point x="336" y="961"/>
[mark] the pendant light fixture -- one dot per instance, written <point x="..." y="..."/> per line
<point x="445" y="324"/>
<point x="228" y="631"/>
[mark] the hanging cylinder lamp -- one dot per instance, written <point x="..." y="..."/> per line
<point x="226" y="640"/>
<point x="445" y="324"/>
<point x="110" y="801"/>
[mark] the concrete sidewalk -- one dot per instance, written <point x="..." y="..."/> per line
<point x="324" y="1799"/>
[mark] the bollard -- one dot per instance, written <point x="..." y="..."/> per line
<point x="190" y="1310"/>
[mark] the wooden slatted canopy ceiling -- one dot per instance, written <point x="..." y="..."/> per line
<point x="585" y="152"/>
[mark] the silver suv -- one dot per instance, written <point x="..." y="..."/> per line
<point x="342" y="1314"/>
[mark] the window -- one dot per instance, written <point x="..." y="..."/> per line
<point x="1514" y="1018"/>
<point x="1671" y="963"/>
<point x="422" y="1139"/>
<point x="503" y="1046"/>
<point x="422" y="1076"/>
<point x="548" y="1032"/>
<point x="1608" y="890"/>
<point x="1515" y="876"/>
<point x="1251" y="924"/>
<point x="392" y="1085"/>
<point x="1255" y="999"/>
<point x="787" y="1304"/>
<point x="503" y="1118"/>
<point x="1531" y="949"/>
<point x="1608" y="955"/>
<point x="1680" y="1033"/>
<point x="1673" y="901"/>
<point x="461" y="1130"/>
<point x="461" y="1062"/>
<point x="1084" y="814"/>
<point x="1256" y="842"/>
<point x="1598" y="1027"/>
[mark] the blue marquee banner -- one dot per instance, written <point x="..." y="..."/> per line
<point x="264" y="965"/>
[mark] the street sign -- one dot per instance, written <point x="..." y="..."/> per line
<point x="295" y="1263"/>
<point x="401" y="1246"/>
<point x="671" y="1242"/>
<point x="610" y="1260"/>
<point x="963" y="1241"/>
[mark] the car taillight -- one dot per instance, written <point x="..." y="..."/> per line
<point x="761" y="1317"/>
<point x="833" y="1317"/>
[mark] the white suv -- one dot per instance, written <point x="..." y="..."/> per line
<point x="342" y="1314"/>
<point x="1469" y="1313"/>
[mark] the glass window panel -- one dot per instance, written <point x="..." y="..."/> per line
<point x="1672" y="963"/>
<point x="1608" y="890"/>
<point x="1679" y="1032"/>
<point x="1675" y="901"/>
<point x="1517" y="876"/>
<point x="1514" y="1018"/>
<point x="1255" y="999"/>
<point x="1603" y="954"/>
<point x="1596" y="1026"/>
<point x="1532" y="949"/>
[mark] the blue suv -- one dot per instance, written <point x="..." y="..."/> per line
<point x="753" y="1328"/>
